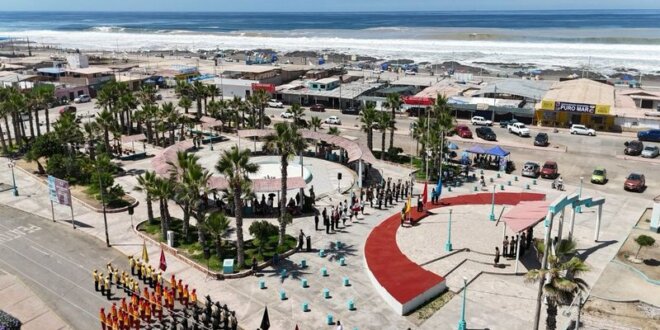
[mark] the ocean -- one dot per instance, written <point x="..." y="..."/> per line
<point x="606" y="41"/>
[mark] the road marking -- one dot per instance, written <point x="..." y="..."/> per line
<point x="17" y="232"/>
<point x="53" y="252"/>
<point x="39" y="250"/>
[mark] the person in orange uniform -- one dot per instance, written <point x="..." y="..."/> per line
<point x="186" y="294"/>
<point x="108" y="321"/>
<point x="124" y="307"/>
<point x="173" y="282"/>
<point x="147" y="312"/>
<point x="159" y="309"/>
<point x="114" y="310"/>
<point x="102" y="318"/>
<point x="179" y="291"/>
<point x="126" y="323"/>
<point x="193" y="297"/>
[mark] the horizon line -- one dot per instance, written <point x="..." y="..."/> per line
<point x="332" y="11"/>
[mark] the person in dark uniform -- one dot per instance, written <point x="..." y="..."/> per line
<point x="316" y="220"/>
<point x="497" y="256"/>
<point x="301" y="239"/>
<point x="505" y="246"/>
<point x="326" y="221"/>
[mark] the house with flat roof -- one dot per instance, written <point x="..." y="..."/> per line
<point x="261" y="73"/>
<point x="325" y="84"/>
<point x="90" y="76"/>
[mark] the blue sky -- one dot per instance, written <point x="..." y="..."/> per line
<point x="319" y="5"/>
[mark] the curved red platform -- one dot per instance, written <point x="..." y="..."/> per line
<point x="402" y="283"/>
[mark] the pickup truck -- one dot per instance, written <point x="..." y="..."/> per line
<point x="481" y="121"/>
<point x="518" y="128"/>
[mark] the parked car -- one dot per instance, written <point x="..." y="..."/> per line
<point x="506" y="123"/>
<point x="652" y="135"/>
<point x="478" y="120"/>
<point x="463" y="131"/>
<point x="650" y="152"/>
<point x="541" y="140"/>
<point x="531" y="170"/>
<point x="273" y="103"/>
<point x="317" y="108"/>
<point x="635" y="182"/>
<point x="550" y="170"/>
<point x="599" y="175"/>
<point x="84" y="98"/>
<point x="582" y="130"/>
<point x="334" y="120"/>
<point x="518" y="128"/>
<point x="286" y="114"/>
<point x="486" y="133"/>
<point x="633" y="148"/>
<point x="350" y="111"/>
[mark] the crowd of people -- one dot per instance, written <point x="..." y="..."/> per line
<point x="160" y="304"/>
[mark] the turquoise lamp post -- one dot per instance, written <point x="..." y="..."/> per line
<point x="492" y="204"/>
<point x="462" y="325"/>
<point x="448" y="246"/>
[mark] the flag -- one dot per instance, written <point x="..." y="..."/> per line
<point x="408" y="205"/>
<point x="265" y="321"/>
<point x="425" y="193"/>
<point x="438" y="188"/>
<point x="145" y="255"/>
<point x="163" y="262"/>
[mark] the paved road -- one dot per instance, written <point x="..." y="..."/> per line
<point x="56" y="263"/>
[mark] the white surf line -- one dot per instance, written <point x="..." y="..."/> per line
<point x="49" y="289"/>
<point x="49" y="250"/>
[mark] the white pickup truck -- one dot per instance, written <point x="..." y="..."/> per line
<point x="481" y="121"/>
<point x="518" y="128"/>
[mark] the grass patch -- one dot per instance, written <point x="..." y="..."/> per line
<point x="194" y="250"/>
<point x="430" y="307"/>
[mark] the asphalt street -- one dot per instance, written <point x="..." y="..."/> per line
<point x="56" y="263"/>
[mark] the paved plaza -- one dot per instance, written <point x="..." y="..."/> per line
<point x="496" y="299"/>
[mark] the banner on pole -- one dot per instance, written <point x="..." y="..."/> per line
<point x="59" y="191"/>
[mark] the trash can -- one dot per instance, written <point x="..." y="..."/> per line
<point x="170" y="238"/>
<point x="309" y="243"/>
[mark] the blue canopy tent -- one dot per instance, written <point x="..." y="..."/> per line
<point x="477" y="150"/>
<point x="497" y="151"/>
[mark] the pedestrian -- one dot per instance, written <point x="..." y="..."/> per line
<point x="131" y="263"/>
<point x="433" y="196"/>
<point x="102" y="318"/>
<point x="403" y="216"/>
<point x="96" y="280"/>
<point x="326" y="222"/>
<point x="497" y="256"/>
<point x="110" y="271"/>
<point x="115" y="275"/>
<point x="102" y="284"/>
<point x="108" y="288"/>
<point x="505" y="246"/>
<point x="339" y="326"/>
<point x="420" y="205"/>
<point x="316" y="220"/>
<point x="514" y="244"/>
<point x="362" y="206"/>
<point x="301" y="238"/>
<point x="138" y="267"/>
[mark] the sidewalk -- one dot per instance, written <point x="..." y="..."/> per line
<point x="19" y="301"/>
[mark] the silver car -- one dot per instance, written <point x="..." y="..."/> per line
<point x="531" y="170"/>
<point x="650" y="152"/>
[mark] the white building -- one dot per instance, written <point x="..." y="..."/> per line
<point x="232" y="87"/>
<point x="77" y="61"/>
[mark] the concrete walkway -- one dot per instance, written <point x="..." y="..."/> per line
<point x="19" y="301"/>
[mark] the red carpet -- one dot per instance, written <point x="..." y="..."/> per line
<point x="402" y="278"/>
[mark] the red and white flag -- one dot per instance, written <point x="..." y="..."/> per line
<point x="163" y="262"/>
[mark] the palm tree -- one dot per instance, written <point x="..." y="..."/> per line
<point x="191" y="182"/>
<point x="394" y="104"/>
<point x="559" y="281"/>
<point x="4" y="114"/>
<point x="15" y="104"/>
<point x="163" y="191"/>
<point x="90" y="130"/>
<point x="334" y="131"/>
<point x="198" y="91"/>
<point x="443" y="121"/>
<point x="236" y="106"/>
<point x="185" y="103"/>
<point x="368" y="118"/>
<point x="106" y="121"/>
<point x="147" y="184"/>
<point x="383" y="121"/>
<point x="235" y="165"/>
<point x="298" y="112"/>
<point x="146" y="95"/>
<point x="170" y="117"/>
<point x="288" y="141"/>
<point x="260" y="99"/>
<point x="217" y="225"/>
<point x="212" y="91"/>
<point x="41" y="96"/>
<point x="316" y="123"/>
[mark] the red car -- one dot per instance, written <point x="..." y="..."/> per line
<point x="635" y="182"/>
<point x="464" y="131"/>
<point x="317" y="108"/>
<point x="550" y="170"/>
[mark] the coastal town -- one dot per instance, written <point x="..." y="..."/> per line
<point x="260" y="189"/>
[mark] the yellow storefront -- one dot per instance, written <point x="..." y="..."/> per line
<point x="578" y="101"/>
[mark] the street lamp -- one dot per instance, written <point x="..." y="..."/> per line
<point x="492" y="204"/>
<point x="448" y="246"/>
<point x="578" y="209"/>
<point x="11" y="165"/>
<point x="461" y="324"/>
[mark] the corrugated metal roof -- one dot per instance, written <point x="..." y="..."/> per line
<point x="532" y="89"/>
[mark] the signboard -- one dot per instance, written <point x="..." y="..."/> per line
<point x="598" y="109"/>
<point x="270" y="88"/>
<point x="59" y="191"/>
